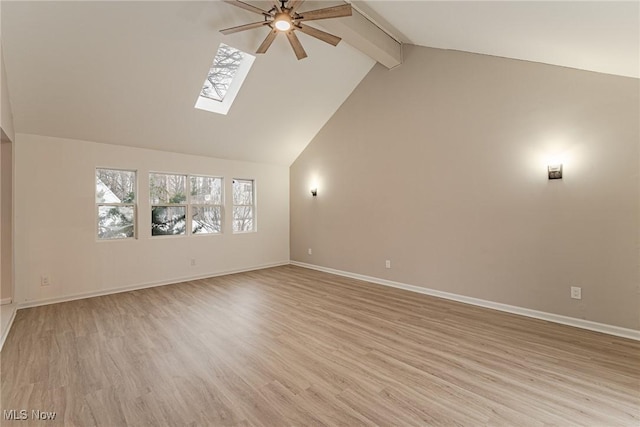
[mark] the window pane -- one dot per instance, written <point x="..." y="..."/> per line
<point x="221" y="74"/>
<point x="242" y="192"/>
<point x="115" y="186"/>
<point x="115" y="222"/>
<point x="206" y="219"/>
<point x="167" y="188"/>
<point x="206" y="190"/>
<point x="168" y="220"/>
<point x="242" y="218"/>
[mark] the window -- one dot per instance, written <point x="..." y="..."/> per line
<point x="221" y="74"/>
<point x="172" y="204"/>
<point x="168" y="199"/>
<point x="206" y="204"/>
<point x="116" y="203"/>
<point x="224" y="79"/>
<point x="243" y="206"/>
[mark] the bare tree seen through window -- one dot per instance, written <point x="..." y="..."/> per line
<point x="168" y="198"/>
<point x="243" y="206"/>
<point x="206" y="204"/>
<point x="115" y="199"/>
<point x="221" y="74"/>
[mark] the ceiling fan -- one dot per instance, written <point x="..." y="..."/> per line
<point x="284" y="17"/>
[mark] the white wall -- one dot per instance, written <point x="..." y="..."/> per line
<point x="56" y="226"/>
<point x="440" y="166"/>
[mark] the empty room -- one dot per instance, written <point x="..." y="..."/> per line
<point x="320" y="213"/>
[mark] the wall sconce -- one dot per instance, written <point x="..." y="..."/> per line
<point x="555" y="171"/>
<point x="314" y="192"/>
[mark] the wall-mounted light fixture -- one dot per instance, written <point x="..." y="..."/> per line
<point x="555" y="171"/>
<point x="314" y="192"/>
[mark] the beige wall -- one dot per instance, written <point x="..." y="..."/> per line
<point x="6" y="113"/>
<point x="56" y="227"/>
<point x="7" y="135"/>
<point x="440" y="166"/>
<point x="6" y="214"/>
<point x="5" y="289"/>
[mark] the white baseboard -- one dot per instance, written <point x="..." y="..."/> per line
<point x="556" y="318"/>
<point x="5" y="332"/>
<point x="83" y="295"/>
<point x="5" y="301"/>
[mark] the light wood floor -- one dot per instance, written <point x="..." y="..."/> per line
<point x="290" y="346"/>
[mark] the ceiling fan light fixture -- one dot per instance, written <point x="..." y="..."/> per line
<point x="283" y="22"/>
<point x="283" y="25"/>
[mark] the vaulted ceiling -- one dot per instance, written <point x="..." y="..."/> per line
<point x="601" y="36"/>
<point x="129" y="73"/>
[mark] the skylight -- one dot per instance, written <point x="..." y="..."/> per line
<point x="221" y="74"/>
<point x="224" y="79"/>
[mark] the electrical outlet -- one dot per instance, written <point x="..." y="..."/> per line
<point x="309" y="251"/>
<point x="387" y="263"/>
<point x="45" y="280"/>
<point x="193" y="262"/>
<point x="576" y="292"/>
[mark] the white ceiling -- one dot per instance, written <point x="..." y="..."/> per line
<point x="129" y="73"/>
<point x="602" y="36"/>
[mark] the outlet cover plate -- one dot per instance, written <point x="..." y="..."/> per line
<point x="576" y="292"/>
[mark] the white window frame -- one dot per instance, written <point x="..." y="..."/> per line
<point x="253" y="206"/>
<point x="98" y="205"/>
<point x="192" y="205"/>
<point x="170" y="205"/>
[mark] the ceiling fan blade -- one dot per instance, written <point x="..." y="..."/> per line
<point x="296" y="45"/>
<point x="294" y="5"/>
<point x="248" y="7"/>
<point x="244" y="27"/>
<point x="319" y="34"/>
<point x="276" y="3"/>
<point x="267" y="41"/>
<point x="326" y="13"/>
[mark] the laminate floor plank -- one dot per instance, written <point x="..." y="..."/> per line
<point x="289" y="346"/>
